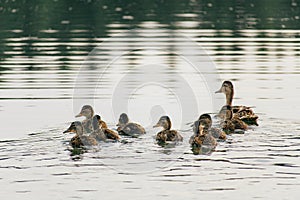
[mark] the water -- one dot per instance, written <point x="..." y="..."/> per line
<point x="43" y="49"/>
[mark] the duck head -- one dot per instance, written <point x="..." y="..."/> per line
<point x="71" y="129"/>
<point x="164" y="122"/>
<point x="75" y="127"/>
<point x="206" y="117"/>
<point x="200" y="127"/>
<point x="227" y="89"/>
<point x="123" y="119"/>
<point x="86" y="111"/>
<point x="95" y="122"/>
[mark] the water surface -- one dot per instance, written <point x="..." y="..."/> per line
<point x="44" y="46"/>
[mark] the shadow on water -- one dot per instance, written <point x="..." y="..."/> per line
<point x="202" y="150"/>
<point x="77" y="153"/>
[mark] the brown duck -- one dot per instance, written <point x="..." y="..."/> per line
<point x="215" y="132"/>
<point x="231" y="122"/>
<point x="201" y="136"/>
<point x="110" y="134"/>
<point x="167" y="134"/>
<point x="87" y="111"/>
<point x="129" y="128"/>
<point x="80" y="140"/>
<point x="242" y="112"/>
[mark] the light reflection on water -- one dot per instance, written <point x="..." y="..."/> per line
<point x="37" y="77"/>
<point x="255" y="61"/>
<point x="266" y="156"/>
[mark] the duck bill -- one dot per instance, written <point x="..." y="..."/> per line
<point x="219" y="91"/>
<point x="156" y="125"/>
<point x="79" y="115"/>
<point x="69" y="130"/>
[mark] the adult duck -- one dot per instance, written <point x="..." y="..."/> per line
<point x="129" y="128"/>
<point x="242" y="112"/>
<point x="167" y="134"/>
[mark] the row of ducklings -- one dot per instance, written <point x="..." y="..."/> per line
<point x="93" y="129"/>
<point x="233" y="118"/>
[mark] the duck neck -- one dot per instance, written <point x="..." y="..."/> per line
<point x="168" y="125"/>
<point x="228" y="116"/>
<point x="103" y="124"/>
<point x="229" y="97"/>
<point x="79" y="131"/>
<point x="90" y="116"/>
<point x="201" y="131"/>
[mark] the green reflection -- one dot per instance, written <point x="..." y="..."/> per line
<point x="41" y="29"/>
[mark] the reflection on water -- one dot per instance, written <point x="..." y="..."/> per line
<point x="44" y="44"/>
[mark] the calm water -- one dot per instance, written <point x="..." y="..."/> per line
<point x="148" y="59"/>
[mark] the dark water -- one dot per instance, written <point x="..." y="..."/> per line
<point x="148" y="59"/>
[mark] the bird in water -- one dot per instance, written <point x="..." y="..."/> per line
<point x="242" y="112"/>
<point x="231" y="123"/>
<point x="87" y="111"/>
<point x="215" y="132"/>
<point x="202" y="141"/>
<point x="97" y="133"/>
<point x="80" y="139"/>
<point x="167" y="134"/>
<point x="100" y="126"/>
<point x="129" y="128"/>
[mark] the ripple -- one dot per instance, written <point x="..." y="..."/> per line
<point x="40" y="63"/>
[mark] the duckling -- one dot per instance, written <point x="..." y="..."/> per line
<point x="129" y="128"/>
<point x="201" y="136"/>
<point x="215" y="132"/>
<point x="231" y="122"/>
<point x="167" y="134"/>
<point x="110" y="134"/>
<point x="242" y="112"/>
<point x="98" y="133"/>
<point x="88" y="112"/>
<point x="80" y="140"/>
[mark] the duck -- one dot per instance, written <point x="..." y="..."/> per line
<point x="244" y="113"/>
<point x="129" y="128"/>
<point x="87" y="111"/>
<point x="201" y="136"/>
<point x="80" y="139"/>
<point x="97" y="133"/>
<point x="231" y="122"/>
<point x="215" y="132"/>
<point x="98" y="123"/>
<point x="167" y="134"/>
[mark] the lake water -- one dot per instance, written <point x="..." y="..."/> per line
<point x="148" y="59"/>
